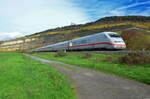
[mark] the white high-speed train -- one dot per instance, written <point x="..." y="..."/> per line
<point x="103" y="40"/>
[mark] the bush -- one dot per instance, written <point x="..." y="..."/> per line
<point x="136" y="39"/>
<point x="87" y="55"/>
<point x="60" y="54"/>
<point x="136" y="58"/>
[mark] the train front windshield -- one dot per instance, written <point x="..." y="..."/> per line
<point x="115" y="35"/>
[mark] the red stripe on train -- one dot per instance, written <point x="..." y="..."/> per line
<point x="102" y="43"/>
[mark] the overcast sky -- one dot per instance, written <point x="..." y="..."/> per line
<point x="24" y="17"/>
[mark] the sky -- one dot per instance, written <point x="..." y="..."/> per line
<point x="24" y="17"/>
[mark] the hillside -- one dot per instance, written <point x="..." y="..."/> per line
<point x="115" y="23"/>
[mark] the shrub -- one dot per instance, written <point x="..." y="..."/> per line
<point x="136" y="39"/>
<point x="87" y="55"/>
<point x="60" y="54"/>
<point x="136" y="58"/>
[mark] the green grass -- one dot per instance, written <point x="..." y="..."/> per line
<point x="24" y="78"/>
<point x="99" y="62"/>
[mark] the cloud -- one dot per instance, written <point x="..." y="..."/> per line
<point x="30" y="16"/>
<point x="9" y="35"/>
<point x="48" y="18"/>
<point x="133" y="5"/>
<point x="117" y="12"/>
<point x="97" y="9"/>
<point x="122" y="10"/>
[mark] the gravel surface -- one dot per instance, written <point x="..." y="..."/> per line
<point x="115" y="52"/>
<point x="91" y="84"/>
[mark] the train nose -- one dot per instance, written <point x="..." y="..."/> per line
<point x="120" y="46"/>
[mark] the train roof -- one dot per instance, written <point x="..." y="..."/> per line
<point x="109" y="32"/>
<point x="101" y="33"/>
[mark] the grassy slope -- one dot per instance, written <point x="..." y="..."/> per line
<point x="23" y="78"/>
<point x="96" y="62"/>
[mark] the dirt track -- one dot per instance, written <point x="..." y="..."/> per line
<point x="97" y="85"/>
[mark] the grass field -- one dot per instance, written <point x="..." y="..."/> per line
<point x="23" y="78"/>
<point x="102" y="62"/>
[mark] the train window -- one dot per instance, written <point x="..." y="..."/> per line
<point x="118" y="41"/>
<point x="115" y="35"/>
<point x="105" y="36"/>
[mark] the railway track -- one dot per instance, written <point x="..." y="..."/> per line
<point x="115" y="52"/>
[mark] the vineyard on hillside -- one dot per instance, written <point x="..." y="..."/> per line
<point x="116" y="24"/>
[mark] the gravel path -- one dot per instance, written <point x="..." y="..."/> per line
<point x="97" y="85"/>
